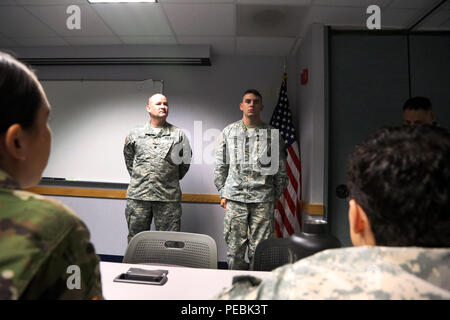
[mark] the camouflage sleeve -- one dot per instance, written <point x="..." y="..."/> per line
<point x="71" y="270"/>
<point x="248" y="287"/>
<point x="183" y="168"/>
<point x="222" y="165"/>
<point x="243" y="288"/>
<point x="281" y="177"/>
<point x="128" y="153"/>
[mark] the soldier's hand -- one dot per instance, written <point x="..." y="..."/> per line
<point x="223" y="203"/>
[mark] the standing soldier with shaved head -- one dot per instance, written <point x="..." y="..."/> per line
<point x="157" y="157"/>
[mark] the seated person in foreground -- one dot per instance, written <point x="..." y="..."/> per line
<point x="399" y="216"/>
<point x="45" y="252"/>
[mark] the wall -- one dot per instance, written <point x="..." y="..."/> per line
<point x="369" y="85"/>
<point x="93" y="117"/>
<point x="311" y="100"/>
<point x="211" y="94"/>
<point x="430" y="69"/>
<point x="364" y="88"/>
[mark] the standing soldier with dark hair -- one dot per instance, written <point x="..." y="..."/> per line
<point x="157" y="157"/>
<point x="250" y="176"/>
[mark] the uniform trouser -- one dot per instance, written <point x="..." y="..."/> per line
<point x="139" y="215"/>
<point x="245" y="225"/>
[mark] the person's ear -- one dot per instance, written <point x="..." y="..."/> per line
<point x="148" y="108"/>
<point x="241" y="107"/>
<point x="360" y="229"/>
<point x="16" y="142"/>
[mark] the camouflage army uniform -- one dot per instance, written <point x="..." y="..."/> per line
<point x="156" y="161"/>
<point x="251" y="174"/>
<point x="360" y="273"/>
<point x="39" y="239"/>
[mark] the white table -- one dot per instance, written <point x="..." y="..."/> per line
<point x="183" y="283"/>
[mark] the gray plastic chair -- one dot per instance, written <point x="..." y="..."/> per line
<point x="276" y="252"/>
<point x="172" y="248"/>
<point x="272" y="253"/>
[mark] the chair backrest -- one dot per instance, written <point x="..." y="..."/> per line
<point x="275" y="252"/>
<point x="272" y="253"/>
<point x="173" y="248"/>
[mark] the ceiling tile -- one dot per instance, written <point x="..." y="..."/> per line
<point x="445" y="26"/>
<point x="269" y="20"/>
<point x="219" y="45"/>
<point x="212" y="22"/>
<point x="85" y="41"/>
<point x="7" y="2"/>
<point x="46" y="2"/>
<point x="352" y="3"/>
<point x="435" y="20"/>
<point x="196" y="1"/>
<point x="201" y="19"/>
<point x="7" y="43"/>
<point x="264" y="46"/>
<point x="41" y="41"/>
<point x="413" y="4"/>
<point x="134" y="19"/>
<point x="277" y="2"/>
<point x="148" y="40"/>
<point x="400" y="18"/>
<point x="17" y="22"/>
<point x="56" y="17"/>
<point x="337" y="16"/>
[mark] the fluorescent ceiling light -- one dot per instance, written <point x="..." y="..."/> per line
<point x="117" y="1"/>
<point x="205" y="61"/>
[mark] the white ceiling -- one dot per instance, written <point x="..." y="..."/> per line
<point x="263" y="27"/>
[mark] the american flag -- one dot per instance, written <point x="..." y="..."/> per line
<point x="287" y="211"/>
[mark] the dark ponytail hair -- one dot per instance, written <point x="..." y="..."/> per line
<point x="20" y="94"/>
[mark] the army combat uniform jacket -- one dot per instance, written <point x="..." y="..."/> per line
<point x="156" y="162"/>
<point x="45" y="252"/>
<point x="362" y="273"/>
<point x="250" y="164"/>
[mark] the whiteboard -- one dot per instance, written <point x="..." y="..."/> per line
<point x="90" y="121"/>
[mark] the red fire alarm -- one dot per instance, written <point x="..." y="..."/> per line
<point x="304" y="77"/>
